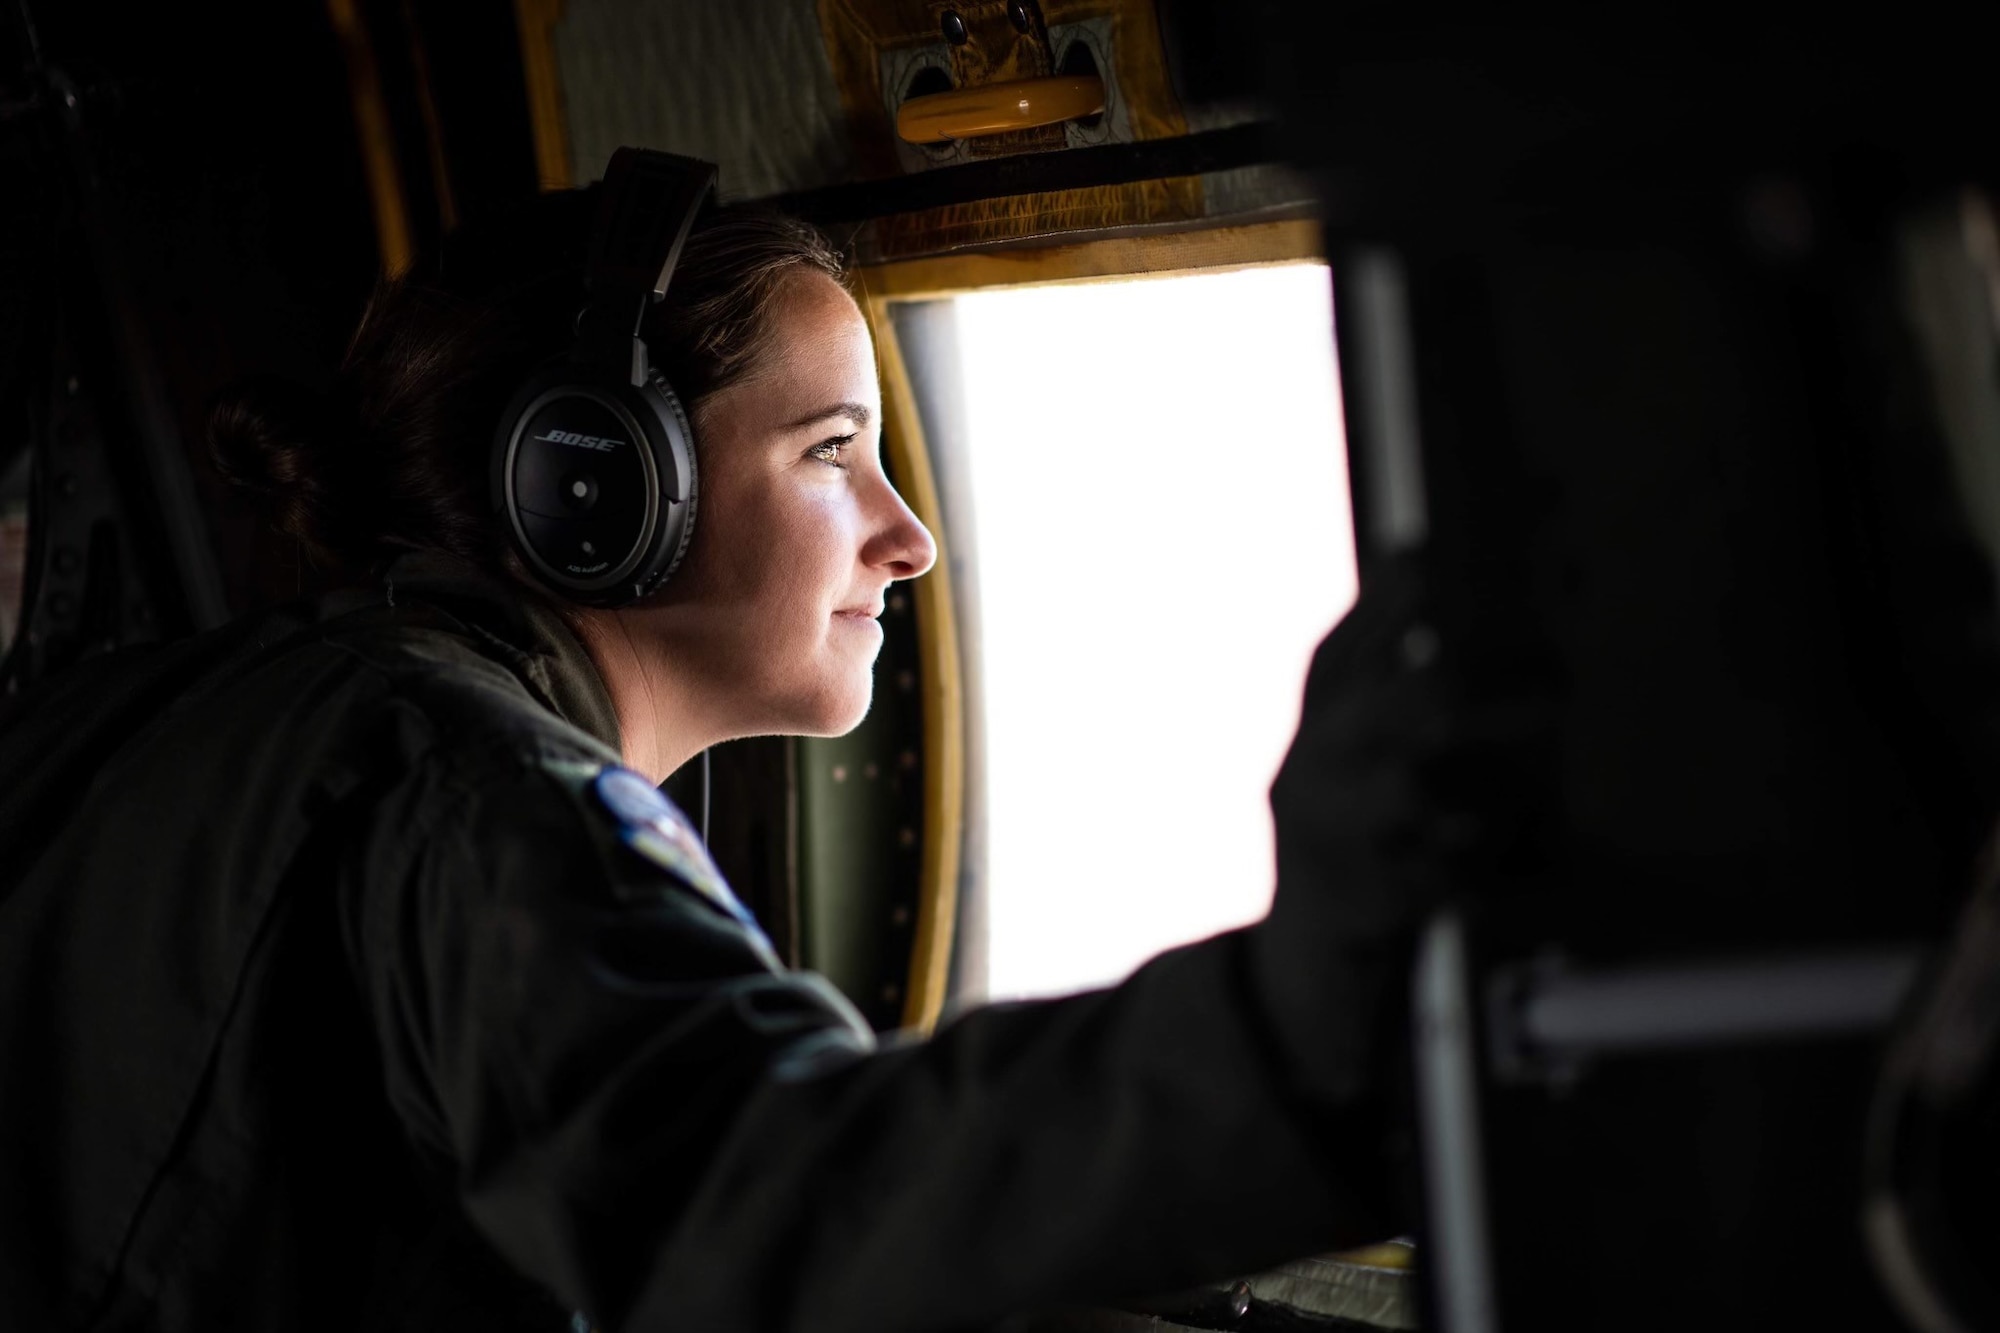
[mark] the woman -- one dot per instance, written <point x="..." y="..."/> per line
<point x="349" y="978"/>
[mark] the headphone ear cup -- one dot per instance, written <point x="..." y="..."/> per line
<point x="679" y="435"/>
<point x="596" y="482"/>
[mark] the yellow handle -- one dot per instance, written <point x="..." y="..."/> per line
<point x="966" y="113"/>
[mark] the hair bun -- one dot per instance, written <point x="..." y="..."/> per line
<point x="273" y="438"/>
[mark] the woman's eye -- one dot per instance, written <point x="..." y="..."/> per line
<point x="830" y="451"/>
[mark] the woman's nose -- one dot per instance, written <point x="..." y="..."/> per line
<point x="901" y="544"/>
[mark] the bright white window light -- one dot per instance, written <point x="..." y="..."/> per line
<point x="1164" y="532"/>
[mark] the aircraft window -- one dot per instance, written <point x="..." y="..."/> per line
<point x="1157" y="477"/>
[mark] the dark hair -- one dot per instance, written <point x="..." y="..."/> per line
<point x="396" y="454"/>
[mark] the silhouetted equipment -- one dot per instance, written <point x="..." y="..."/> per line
<point x="159" y="238"/>
<point x="1634" y="317"/>
<point x="116" y="547"/>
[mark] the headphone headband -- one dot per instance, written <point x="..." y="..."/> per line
<point x="649" y="204"/>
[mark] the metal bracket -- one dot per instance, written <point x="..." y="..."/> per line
<point x="1547" y="1019"/>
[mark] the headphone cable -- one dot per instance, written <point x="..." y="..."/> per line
<point x="704" y="798"/>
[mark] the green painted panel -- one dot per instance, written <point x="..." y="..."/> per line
<point x="861" y="827"/>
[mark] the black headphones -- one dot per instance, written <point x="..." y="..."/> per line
<point x="593" y="463"/>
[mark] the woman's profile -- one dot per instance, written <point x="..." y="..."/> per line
<point x="355" y="974"/>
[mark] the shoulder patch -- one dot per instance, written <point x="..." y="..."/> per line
<point x="651" y="826"/>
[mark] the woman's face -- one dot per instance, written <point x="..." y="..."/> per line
<point x="798" y="533"/>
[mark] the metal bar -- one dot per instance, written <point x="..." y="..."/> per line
<point x="1388" y="447"/>
<point x="1032" y="173"/>
<point x="1447" y="1079"/>
<point x="1709" y="1004"/>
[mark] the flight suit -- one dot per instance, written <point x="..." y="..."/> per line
<point x="346" y="981"/>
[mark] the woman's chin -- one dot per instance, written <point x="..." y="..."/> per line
<point x="849" y="717"/>
<point x="833" y="714"/>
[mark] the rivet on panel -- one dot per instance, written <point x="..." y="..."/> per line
<point x="840" y="772"/>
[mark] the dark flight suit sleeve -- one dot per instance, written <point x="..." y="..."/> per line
<point x="653" y="1118"/>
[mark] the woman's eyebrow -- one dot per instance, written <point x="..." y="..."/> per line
<point x="857" y="412"/>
